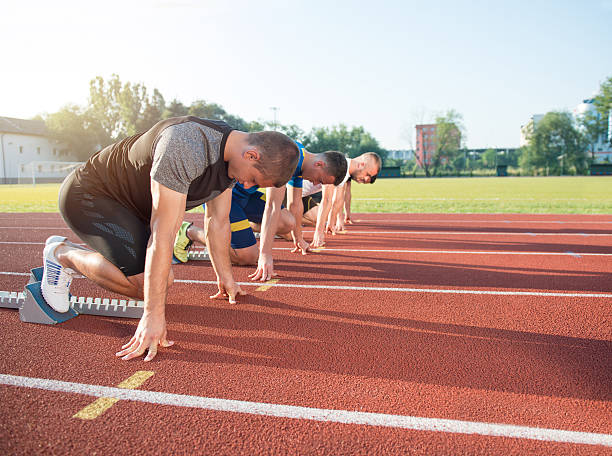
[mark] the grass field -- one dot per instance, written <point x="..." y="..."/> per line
<point x="544" y="195"/>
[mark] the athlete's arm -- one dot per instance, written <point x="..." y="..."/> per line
<point x="337" y="203"/>
<point x="217" y="228"/>
<point x="269" y="222"/>
<point x="347" y="204"/>
<point x="166" y="214"/>
<point x="296" y="207"/>
<point x="322" y="214"/>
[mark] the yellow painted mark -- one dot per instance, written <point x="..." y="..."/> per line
<point x="136" y="380"/>
<point x="342" y="232"/>
<point x="239" y="226"/>
<point x="318" y="249"/>
<point x="267" y="285"/>
<point x="102" y="404"/>
<point x="96" y="408"/>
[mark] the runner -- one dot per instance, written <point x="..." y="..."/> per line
<point x="254" y="210"/>
<point x="127" y="203"/>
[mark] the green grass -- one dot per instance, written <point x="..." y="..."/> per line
<point x="544" y="195"/>
<point x="552" y="195"/>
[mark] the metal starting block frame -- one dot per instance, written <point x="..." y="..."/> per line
<point x="198" y="255"/>
<point x="34" y="309"/>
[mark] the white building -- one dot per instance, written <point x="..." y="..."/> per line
<point x="526" y="129"/>
<point x="401" y="154"/>
<point x="26" y="149"/>
<point x="601" y="148"/>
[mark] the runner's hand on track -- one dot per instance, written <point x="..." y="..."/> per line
<point x="318" y="240"/>
<point x="150" y="333"/>
<point x="265" y="268"/>
<point x="230" y="291"/>
<point x="301" y="246"/>
<point x="348" y="220"/>
<point x="331" y="230"/>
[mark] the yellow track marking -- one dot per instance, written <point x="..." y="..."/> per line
<point x="267" y="285"/>
<point x="317" y="249"/>
<point x="102" y="404"/>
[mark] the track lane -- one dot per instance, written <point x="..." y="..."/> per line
<point x="305" y="347"/>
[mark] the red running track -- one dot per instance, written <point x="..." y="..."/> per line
<point x="476" y="318"/>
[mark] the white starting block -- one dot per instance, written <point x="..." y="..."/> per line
<point x="33" y="308"/>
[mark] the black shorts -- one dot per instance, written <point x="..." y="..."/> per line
<point x="311" y="201"/>
<point x="106" y="226"/>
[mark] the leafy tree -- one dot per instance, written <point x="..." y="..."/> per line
<point x="353" y="142"/>
<point x="603" y="104"/>
<point x="175" y="109"/>
<point x="489" y="158"/>
<point x="555" y="146"/>
<point x="449" y="129"/>
<point x="119" y="110"/>
<point x="71" y="126"/>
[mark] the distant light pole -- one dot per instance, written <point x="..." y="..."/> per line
<point x="274" y="109"/>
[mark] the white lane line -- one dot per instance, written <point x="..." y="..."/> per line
<point x="416" y="220"/>
<point x="412" y="290"/>
<point x="314" y="414"/>
<point x="34" y="227"/>
<point x="478" y="233"/>
<point x="407" y="232"/>
<point x="395" y="289"/>
<point x="449" y="252"/>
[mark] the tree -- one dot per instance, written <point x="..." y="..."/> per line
<point x="71" y="126"/>
<point x="555" y="146"/>
<point x="603" y="104"/>
<point x="489" y="158"/>
<point x="119" y="110"/>
<point x="175" y="109"/>
<point x="352" y="143"/>
<point x="448" y="137"/>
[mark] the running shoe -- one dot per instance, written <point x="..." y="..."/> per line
<point x="182" y="243"/>
<point x="56" y="280"/>
<point x="64" y="239"/>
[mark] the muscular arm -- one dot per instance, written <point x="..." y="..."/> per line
<point x="347" y="203"/>
<point x="296" y="207"/>
<point x="269" y="222"/>
<point x="327" y="193"/>
<point x="337" y="204"/>
<point x="166" y="214"/>
<point x="217" y="227"/>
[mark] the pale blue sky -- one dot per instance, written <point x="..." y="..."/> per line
<point x="382" y="64"/>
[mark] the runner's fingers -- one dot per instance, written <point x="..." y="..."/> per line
<point x="152" y="352"/>
<point x="132" y="340"/>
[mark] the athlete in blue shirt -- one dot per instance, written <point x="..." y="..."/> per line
<point x="251" y="206"/>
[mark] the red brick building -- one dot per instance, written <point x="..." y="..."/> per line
<point x="425" y="143"/>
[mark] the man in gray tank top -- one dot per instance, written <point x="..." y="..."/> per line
<point x="127" y="202"/>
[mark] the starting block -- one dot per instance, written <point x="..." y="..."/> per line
<point x="33" y="308"/>
<point x="201" y="255"/>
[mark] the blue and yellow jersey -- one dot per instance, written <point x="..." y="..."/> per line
<point x="295" y="181"/>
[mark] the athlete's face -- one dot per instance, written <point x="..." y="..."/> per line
<point x="245" y="172"/>
<point x="317" y="174"/>
<point x="365" y="175"/>
<point x="251" y="176"/>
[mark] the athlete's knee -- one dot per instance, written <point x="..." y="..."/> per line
<point x="136" y="286"/>
<point x="245" y="256"/>
<point x="287" y="222"/>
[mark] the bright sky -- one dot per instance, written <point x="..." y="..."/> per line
<point x="381" y="64"/>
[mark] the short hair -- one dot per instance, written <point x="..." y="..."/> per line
<point x="374" y="157"/>
<point x="336" y="165"/>
<point x="279" y="155"/>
